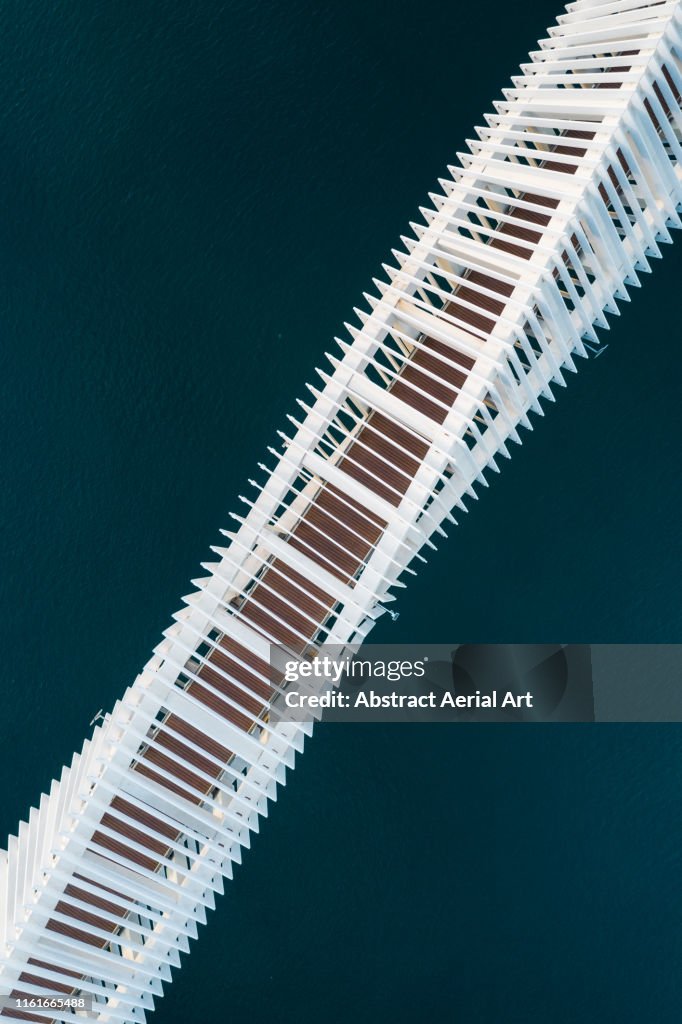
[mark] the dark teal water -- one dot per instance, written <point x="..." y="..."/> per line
<point x="192" y="198"/>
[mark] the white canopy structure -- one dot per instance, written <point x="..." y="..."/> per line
<point x="562" y="198"/>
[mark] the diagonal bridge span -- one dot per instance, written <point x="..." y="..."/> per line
<point x="567" y="191"/>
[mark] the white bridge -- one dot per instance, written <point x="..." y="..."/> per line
<point x="561" y="200"/>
